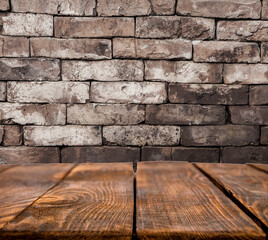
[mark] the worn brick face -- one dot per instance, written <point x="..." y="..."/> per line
<point x="13" y="136"/>
<point x="14" y="46"/>
<point x="185" y="114"/>
<point x="258" y="95"/>
<point x="94" y="27"/>
<point x="4" y="5"/>
<point x="112" y="70"/>
<point x="208" y="94"/>
<point x="265" y="9"/>
<point x="264" y="136"/>
<point x="264" y="52"/>
<point x="3" y="91"/>
<point x="2" y="130"/>
<point x="71" y="48"/>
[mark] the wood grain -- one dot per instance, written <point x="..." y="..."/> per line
<point x="95" y="201"/>
<point x="176" y="201"/>
<point x="21" y="185"/>
<point x="5" y="167"/>
<point x="248" y="185"/>
<point x="262" y="167"/>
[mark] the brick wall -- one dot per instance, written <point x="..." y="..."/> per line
<point x="120" y="80"/>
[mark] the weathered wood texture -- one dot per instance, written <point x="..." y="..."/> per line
<point x="248" y="185"/>
<point x="262" y="167"/>
<point x="95" y="201"/>
<point x="176" y="201"/>
<point x="5" y="167"/>
<point x="22" y="185"/>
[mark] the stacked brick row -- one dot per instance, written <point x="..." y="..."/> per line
<point x="141" y="80"/>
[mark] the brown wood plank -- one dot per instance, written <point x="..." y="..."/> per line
<point x="176" y="201"/>
<point x="5" y="167"/>
<point x="262" y="167"/>
<point x="21" y="185"/>
<point x="94" y="201"/>
<point x="248" y="185"/>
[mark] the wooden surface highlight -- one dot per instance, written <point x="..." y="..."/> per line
<point x="94" y="201"/>
<point x="5" y="167"/>
<point x="22" y="185"/>
<point x="248" y="185"/>
<point x="176" y="201"/>
<point x="261" y="167"/>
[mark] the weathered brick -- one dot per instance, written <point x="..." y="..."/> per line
<point x="48" y="92"/>
<point x="71" y="48"/>
<point x="208" y="94"/>
<point x="264" y="52"/>
<point x="228" y="52"/>
<point x="55" y="7"/>
<point x="249" y="115"/>
<point x="128" y="92"/>
<point x="94" y="27"/>
<point x="12" y="136"/>
<point x="242" y="30"/>
<point x="29" y="69"/>
<point x="258" y="95"/>
<point x="197" y="28"/>
<point x="23" y="155"/>
<point x="223" y="135"/>
<point x="14" y="46"/>
<point x="160" y="7"/>
<point x="180" y="154"/>
<point x="246" y="74"/>
<point x="141" y="135"/>
<point x="3" y="91"/>
<point x="220" y="9"/>
<point x="100" y="154"/>
<point x="1" y="133"/>
<point x="4" y="5"/>
<point x="183" y="72"/>
<point x="35" y="114"/>
<point x="265" y="9"/>
<point x="110" y="70"/>
<point x="152" y="48"/>
<point x="26" y="24"/>
<point x="105" y="114"/>
<point x="62" y="135"/>
<point x="245" y="155"/>
<point x="185" y="114"/>
<point x="264" y="135"/>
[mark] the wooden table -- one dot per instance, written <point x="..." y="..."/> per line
<point x="163" y="200"/>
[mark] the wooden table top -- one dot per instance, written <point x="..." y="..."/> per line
<point x="163" y="200"/>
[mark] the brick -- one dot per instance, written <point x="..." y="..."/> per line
<point x="3" y="91"/>
<point x="258" y="95"/>
<point x="71" y="48"/>
<point x="249" y="115"/>
<point x="220" y="9"/>
<point x="197" y="28"/>
<point x="110" y="70"/>
<point x="228" y="52"/>
<point x="4" y="5"/>
<point x="26" y="24"/>
<point x="246" y="74"/>
<point x="245" y="155"/>
<point x="14" y="46"/>
<point x="160" y="7"/>
<point x="26" y="155"/>
<point x="13" y="136"/>
<point x="141" y="135"/>
<point x="94" y="27"/>
<point x="105" y="114"/>
<point x="208" y="94"/>
<point x="242" y="30"/>
<point x="100" y="154"/>
<point x="34" y="114"/>
<point x="1" y="133"/>
<point x="223" y="135"/>
<point x="264" y="52"/>
<point x="185" y="114"/>
<point x="152" y="48"/>
<point x="48" y="92"/>
<point x="264" y="135"/>
<point x="265" y="9"/>
<point x="29" y="69"/>
<point x="56" y="7"/>
<point x="183" y="72"/>
<point x="180" y="154"/>
<point x="128" y="92"/>
<point x="62" y="135"/>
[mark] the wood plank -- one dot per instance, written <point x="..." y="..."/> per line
<point x="248" y="185"/>
<point x="176" y="201"/>
<point x="21" y="185"/>
<point x="94" y="201"/>
<point x="262" y="167"/>
<point x="5" y="167"/>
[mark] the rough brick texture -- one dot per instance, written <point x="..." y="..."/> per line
<point x="133" y="80"/>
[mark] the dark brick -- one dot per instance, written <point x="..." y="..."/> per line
<point x="264" y="135"/>
<point x="12" y="136"/>
<point x="258" y="95"/>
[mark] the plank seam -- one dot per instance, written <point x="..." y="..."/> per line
<point x="65" y="175"/>
<point x="257" y="168"/>
<point x="230" y="195"/>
